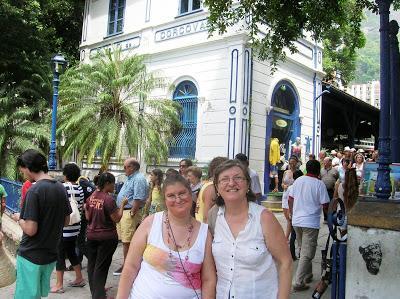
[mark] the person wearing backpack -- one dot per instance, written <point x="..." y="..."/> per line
<point x="67" y="244"/>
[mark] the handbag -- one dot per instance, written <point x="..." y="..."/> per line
<point x="75" y="216"/>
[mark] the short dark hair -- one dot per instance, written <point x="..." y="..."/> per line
<point x="171" y="171"/>
<point x="311" y="156"/>
<point x="72" y="172"/>
<point x="242" y="158"/>
<point x="33" y="160"/>
<point x="135" y="164"/>
<point x="298" y="173"/>
<point x="228" y="165"/>
<point x="313" y="167"/>
<point x="175" y="179"/>
<point x="214" y="164"/>
<point x="104" y="178"/>
<point x="187" y="161"/>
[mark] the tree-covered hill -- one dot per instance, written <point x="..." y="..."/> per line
<point x="367" y="63"/>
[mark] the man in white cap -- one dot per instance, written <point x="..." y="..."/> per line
<point x="347" y="153"/>
<point x="335" y="159"/>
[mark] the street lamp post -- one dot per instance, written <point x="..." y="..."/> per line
<point x="58" y="64"/>
<point x="383" y="186"/>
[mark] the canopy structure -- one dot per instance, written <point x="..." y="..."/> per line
<point x="346" y="120"/>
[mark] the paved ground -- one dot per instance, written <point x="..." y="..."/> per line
<point x="84" y="293"/>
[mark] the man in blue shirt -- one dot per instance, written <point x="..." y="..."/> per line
<point x="136" y="190"/>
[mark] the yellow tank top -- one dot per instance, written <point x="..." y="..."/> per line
<point x="200" y="202"/>
<point x="156" y="200"/>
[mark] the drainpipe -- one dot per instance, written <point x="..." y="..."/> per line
<point x="314" y="106"/>
<point x="383" y="186"/>
<point x="395" y="91"/>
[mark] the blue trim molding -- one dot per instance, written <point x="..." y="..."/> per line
<point x="148" y="11"/>
<point x="234" y="75"/>
<point x="246" y="77"/>
<point x="231" y="137"/>
<point x="244" y="145"/>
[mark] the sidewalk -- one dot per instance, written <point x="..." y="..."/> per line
<point x="112" y="281"/>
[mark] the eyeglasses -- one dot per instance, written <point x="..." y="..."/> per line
<point x="236" y="179"/>
<point x="175" y="197"/>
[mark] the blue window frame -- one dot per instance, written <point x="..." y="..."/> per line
<point x="116" y="17"/>
<point x="184" y="143"/>
<point x="188" y="6"/>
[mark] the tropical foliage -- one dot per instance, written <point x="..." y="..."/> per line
<point x="32" y="31"/>
<point x="106" y="106"/>
<point x="22" y="124"/>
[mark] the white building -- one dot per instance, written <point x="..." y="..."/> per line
<point x="367" y="92"/>
<point x="231" y="101"/>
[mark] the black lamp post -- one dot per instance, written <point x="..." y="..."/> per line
<point x="58" y="64"/>
<point x="383" y="186"/>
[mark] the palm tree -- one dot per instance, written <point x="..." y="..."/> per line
<point x="23" y="120"/>
<point x="106" y="107"/>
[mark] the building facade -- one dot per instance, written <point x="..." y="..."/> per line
<point x="231" y="101"/>
<point x="367" y="92"/>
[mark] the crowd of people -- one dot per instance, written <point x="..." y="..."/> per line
<point x="337" y="174"/>
<point x="182" y="236"/>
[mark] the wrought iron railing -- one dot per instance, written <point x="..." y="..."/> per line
<point x="13" y="190"/>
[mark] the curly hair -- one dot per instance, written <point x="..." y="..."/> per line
<point x="350" y="187"/>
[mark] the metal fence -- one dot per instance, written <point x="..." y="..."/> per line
<point x="13" y="190"/>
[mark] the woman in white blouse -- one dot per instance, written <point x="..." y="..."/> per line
<point x="249" y="247"/>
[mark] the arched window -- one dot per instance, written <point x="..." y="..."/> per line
<point x="184" y="143"/>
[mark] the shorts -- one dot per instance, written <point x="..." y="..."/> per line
<point x="273" y="173"/>
<point x="127" y="226"/>
<point x="33" y="281"/>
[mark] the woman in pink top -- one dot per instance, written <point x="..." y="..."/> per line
<point x="170" y="253"/>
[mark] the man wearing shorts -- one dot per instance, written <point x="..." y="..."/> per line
<point x="45" y="211"/>
<point x="136" y="190"/>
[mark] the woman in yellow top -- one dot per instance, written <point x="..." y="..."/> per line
<point x="207" y="196"/>
<point x="155" y="201"/>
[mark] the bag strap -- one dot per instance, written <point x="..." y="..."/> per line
<point x="212" y="219"/>
<point x="71" y="188"/>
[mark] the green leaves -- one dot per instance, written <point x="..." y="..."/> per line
<point x="274" y="25"/>
<point x="107" y="107"/>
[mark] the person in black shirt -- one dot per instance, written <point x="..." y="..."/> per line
<point x="45" y="212"/>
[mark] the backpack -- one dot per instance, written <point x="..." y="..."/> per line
<point x="212" y="219"/>
<point x="87" y="187"/>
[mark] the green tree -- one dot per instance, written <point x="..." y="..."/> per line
<point x="106" y="106"/>
<point x="287" y="21"/>
<point x="21" y="124"/>
<point x="32" y="30"/>
<point x="341" y="44"/>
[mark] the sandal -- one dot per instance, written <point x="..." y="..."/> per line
<point x="57" y="291"/>
<point x="80" y="284"/>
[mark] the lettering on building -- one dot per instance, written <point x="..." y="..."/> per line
<point x="124" y="45"/>
<point x="181" y="30"/>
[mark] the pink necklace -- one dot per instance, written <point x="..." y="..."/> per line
<point x="171" y="238"/>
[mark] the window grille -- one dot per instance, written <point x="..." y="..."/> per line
<point x="184" y="143"/>
<point x="116" y="16"/>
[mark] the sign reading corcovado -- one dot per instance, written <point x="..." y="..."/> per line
<point x="181" y="30"/>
